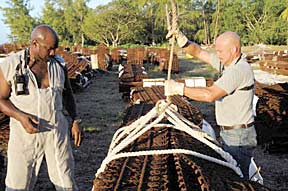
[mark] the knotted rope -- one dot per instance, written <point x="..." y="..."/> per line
<point x="170" y="28"/>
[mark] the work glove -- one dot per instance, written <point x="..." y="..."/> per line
<point x="180" y="37"/>
<point x="172" y="87"/>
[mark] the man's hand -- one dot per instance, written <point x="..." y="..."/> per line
<point x="28" y="122"/>
<point x="76" y="133"/>
<point x="181" y="39"/>
<point x="172" y="87"/>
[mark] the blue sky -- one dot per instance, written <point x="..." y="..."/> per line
<point x="36" y="12"/>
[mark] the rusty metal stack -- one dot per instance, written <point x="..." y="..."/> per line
<point x="79" y="70"/>
<point x="101" y="51"/>
<point x="136" y="55"/>
<point x="131" y="76"/>
<point x="4" y="133"/>
<point x="167" y="172"/>
<point x="160" y="56"/>
<point x="276" y="63"/>
<point x="8" y="48"/>
<point x="272" y="116"/>
<point x="115" y="54"/>
<point x="4" y="137"/>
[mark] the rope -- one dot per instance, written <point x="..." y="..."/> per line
<point x="172" y="27"/>
<point x="163" y="109"/>
<point x="162" y="152"/>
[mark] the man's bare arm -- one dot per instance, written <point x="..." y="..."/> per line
<point x="205" y="94"/>
<point x="9" y="109"/>
<point x="70" y="106"/>
<point x="195" y="50"/>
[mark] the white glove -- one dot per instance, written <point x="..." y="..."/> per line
<point x="172" y="87"/>
<point x="180" y="37"/>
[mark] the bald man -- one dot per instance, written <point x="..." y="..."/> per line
<point x="34" y="87"/>
<point x="232" y="92"/>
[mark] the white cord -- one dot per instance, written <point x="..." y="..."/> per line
<point x="164" y="109"/>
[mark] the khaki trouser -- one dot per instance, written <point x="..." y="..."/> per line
<point x="26" y="152"/>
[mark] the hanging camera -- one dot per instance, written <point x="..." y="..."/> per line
<point x="21" y="80"/>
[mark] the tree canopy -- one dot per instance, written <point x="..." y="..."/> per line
<point x="144" y="22"/>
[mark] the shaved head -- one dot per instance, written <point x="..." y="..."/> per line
<point x="43" y="33"/>
<point x="230" y="38"/>
<point x="228" y="47"/>
<point x="44" y="42"/>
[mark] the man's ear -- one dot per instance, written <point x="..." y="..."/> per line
<point x="34" y="43"/>
<point x="234" y="49"/>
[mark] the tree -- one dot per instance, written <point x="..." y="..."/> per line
<point x="53" y="15"/>
<point x="18" y="19"/>
<point x="263" y="23"/>
<point x="113" y="24"/>
<point x="74" y="14"/>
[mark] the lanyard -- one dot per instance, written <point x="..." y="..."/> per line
<point x="221" y="66"/>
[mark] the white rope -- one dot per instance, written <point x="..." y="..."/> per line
<point x="137" y="125"/>
<point x="163" y="109"/>
<point x="166" y="151"/>
<point x="201" y="136"/>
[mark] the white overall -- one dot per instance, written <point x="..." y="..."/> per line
<point x="26" y="151"/>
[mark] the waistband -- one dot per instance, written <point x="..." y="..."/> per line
<point x="241" y="126"/>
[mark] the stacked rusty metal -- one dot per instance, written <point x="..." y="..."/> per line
<point x="4" y="137"/>
<point x="132" y="72"/>
<point x="167" y="172"/>
<point x="101" y="51"/>
<point x="272" y="116"/>
<point x="8" y="48"/>
<point x="161" y="56"/>
<point x="131" y="75"/>
<point x="276" y="63"/>
<point x="136" y="55"/>
<point x="4" y="133"/>
<point x="116" y="54"/>
<point x="79" y="70"/>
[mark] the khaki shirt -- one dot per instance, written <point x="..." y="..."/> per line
<point x="236" y="107"/>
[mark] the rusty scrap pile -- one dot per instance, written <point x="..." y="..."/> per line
<point x="131" y="75"/>
<point x="102" y="52"/>
<point x="79" y="69"/>
<point x="165" y="172"/>
<point x="116" y="54"/>
<point x="151" y="95"/>
<point x="160" y="56"/>
<point x="8" y="48"/>
<point x="4" y="137"/>
<point x="276" y="63"/>
<point x="136" y="55"/>
<point x="4" y="133"/>
<point x="272" y="116"/>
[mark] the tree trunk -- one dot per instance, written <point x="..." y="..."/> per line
<point x="216" y="21"/>
<point x="82" y="39"/>
<point x="205" y="23"/>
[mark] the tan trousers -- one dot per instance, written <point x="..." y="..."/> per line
<point x="26" y="152"/>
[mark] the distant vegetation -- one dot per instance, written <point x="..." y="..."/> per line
<point x="143" y="22"/>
